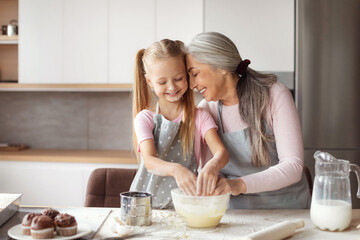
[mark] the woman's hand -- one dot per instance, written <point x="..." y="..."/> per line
<point x="206" y="180"/>
<point x="233" y="186"/>
<point x="222" y="186"/>
<point x="185" y="179"/>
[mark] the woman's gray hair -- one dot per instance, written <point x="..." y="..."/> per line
<point x="253" y="89"/>
<point x="215" y="49"/>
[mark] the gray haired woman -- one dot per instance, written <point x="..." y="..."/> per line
<point x="258" y="124"/>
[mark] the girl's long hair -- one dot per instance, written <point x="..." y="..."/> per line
<point x="253" y="89"/>
<point x="143" y="98"/>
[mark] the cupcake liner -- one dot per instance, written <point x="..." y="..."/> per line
<point x="25" y="230"/>
<point x="43" y="233"/>
<point x="66" y="231"/>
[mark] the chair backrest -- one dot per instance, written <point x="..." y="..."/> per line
<point x="106" y="184"/>
<point x="309" y="178"/>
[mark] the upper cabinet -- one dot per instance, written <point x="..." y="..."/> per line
<point x="131" y="28"/>
<point x="136" y="24"/>
<point x="83" y="41"/>
<point x="63" y="41"/>
<point x="95" y="41"/>
<point x="178" y="20"/>
<point x="85" y="46"/>
<point x="262" y="30"/>
<point x="41" y="41"/>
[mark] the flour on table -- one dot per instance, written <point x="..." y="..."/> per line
<point x="119" y="227"/>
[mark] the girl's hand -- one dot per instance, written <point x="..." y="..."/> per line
<point x="186" y="180"/>
<point x="206" y="180"/>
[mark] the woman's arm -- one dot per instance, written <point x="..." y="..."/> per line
<point x="208" y="175"/>
<point x="185" y="179"/>
<point x="286" y="126"/>
<point x="283" y="119"/>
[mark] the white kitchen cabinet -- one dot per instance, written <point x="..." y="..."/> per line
<point x="95" y="41"/>
<point x="262" y="30"/>
<point x="47" y="183"/>
<point x="137" y="24"/>
<point x="63" y="41"/>
<point x="85" y="34"/>
<point x="131" y="28"/>
<point x="40" y="41"/>
<point x="179" y="20"/>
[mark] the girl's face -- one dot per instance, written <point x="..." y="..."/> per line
<point x="206" y="79"/>
<point x="168" y="78"/>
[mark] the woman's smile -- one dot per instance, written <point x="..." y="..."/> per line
<point x="202" y="91"/>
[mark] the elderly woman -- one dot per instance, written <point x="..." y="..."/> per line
<point x="258" y="124"/>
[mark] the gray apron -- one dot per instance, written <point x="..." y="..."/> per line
<point x="168" y="148"/>
<point x="237" y="143"/>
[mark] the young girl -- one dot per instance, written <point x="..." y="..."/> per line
<point x="168" y="133"/>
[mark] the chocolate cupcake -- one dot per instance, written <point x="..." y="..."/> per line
<point x="50" y="212"/>
<point x="42" y="227"/>
<point x="65" y="224"/>
<point x="26" y="222"/>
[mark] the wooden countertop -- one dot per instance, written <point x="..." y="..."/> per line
<point x="79" y="156"/>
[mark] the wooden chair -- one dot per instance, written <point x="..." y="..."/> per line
<point x="309" y="178"/>
<point x="106" y="184"/>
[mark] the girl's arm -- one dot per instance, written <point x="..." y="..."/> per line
<point x="185" y="179"/>
<point x="208" y="175"/>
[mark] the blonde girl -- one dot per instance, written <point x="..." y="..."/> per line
<point x="169" y="129"/>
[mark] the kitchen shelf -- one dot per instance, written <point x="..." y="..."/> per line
<point x="78" y="156"/>
<point x="17" y="87"/>
<point x="4" y="39"/>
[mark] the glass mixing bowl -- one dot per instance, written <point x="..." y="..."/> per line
<point x="200" y="211"/>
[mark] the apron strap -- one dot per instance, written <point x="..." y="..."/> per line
<point x="219" y="116"/>
<point x="157" y="108"/>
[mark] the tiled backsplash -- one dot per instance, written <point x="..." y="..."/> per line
<point x="67" y="120"/>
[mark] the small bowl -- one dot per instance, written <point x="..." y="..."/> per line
<point x="200" y="211"/>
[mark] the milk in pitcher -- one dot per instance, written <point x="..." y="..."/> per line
<point x="333" y="215"/>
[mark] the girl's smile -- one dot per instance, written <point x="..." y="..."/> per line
<point x="168" y="79"/>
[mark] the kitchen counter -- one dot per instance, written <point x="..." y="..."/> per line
<point x="234" y="224"/>
<point x="167" y="225"/>
<point x="79" y="156"/>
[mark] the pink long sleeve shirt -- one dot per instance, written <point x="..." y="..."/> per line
<point x="282" y="117"/>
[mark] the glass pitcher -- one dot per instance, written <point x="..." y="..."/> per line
<point x="331" y="199"/>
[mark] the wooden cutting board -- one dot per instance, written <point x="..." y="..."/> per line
<point x="12" y="147"/>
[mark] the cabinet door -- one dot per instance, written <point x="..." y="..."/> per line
<point x="179" y="20"/>
<point x="40" y="41"/>
<point x="131" y="28"/>
<point x="85" y="41"/>
<point x="262" y="30"/>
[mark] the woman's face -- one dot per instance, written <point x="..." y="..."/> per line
<point x="168" y="78"/>
<point x="209" y="81"/>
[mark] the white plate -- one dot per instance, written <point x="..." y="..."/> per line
<point x="83" y="229"/>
